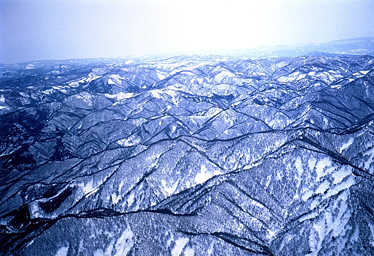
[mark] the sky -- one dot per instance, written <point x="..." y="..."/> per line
<point x="63" y="29"/>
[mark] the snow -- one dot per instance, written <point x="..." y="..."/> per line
<point x="80" y="249"/>
<point x="314" y="204"/>
<point x="213" y="111"/>
<point x="110" y="248"/>
<point x="339" y="175"/>
<point x="174" y="97"/>
<point x="168" y="242"/>
<point x="203" y="175"/>
<point x="139" y="121"/>
<point x="317" y="236"/>
<point x="119" y="96"/>
<point x="321" y="167"/>
<point x="268" y="179"/>
<point x="361" y="73"/>
<point x="63" y="251"/>
<point x="30" y="243"/>
<point x="74" y="84"/>
<point x="270" y="234"/>
<point x="364" y="72"/>
<point x="160" y="75"/>
<point x="210" y="250"/>
<point x="336" y="86"/>
<point x="342" y="186"/>
<point x="169" y="189"/>
<point x="114" y="79"/>
<point x="311" y="73"/>
<point x="156" y="94"/>
<point x="30" y="66"/>
<point x="223" y="75"/>
<point x="256" y="203"/>
<point x="279" y="176"/>
<point x="62" y="89"/>
<point x="301" y="76"/>
<point x="121" y="185"/>
<point x="333" y="222"/>
<point x="180" y="243"/>
<point x="34" y="209"/>
<point x="343" y="214"/>
<point x="130" y="199"/>
<point x="346" y="145"/>
<point x="173" y="128"/>
<point x="115" y="198"/>
<point x="129" y="142"/>
<point x="325" y="122"/>
<point x="307" y="195"/>
<point x="308" y="216"/>
<point x="89" y="78"/>
<point x="189" y="251"/>
<point x="87" y="188"/>
<point x="99" y="252"/>
<point x="323" y="187"/>
<point x="289" y="78"/>
<point x="48" y="92"/>
<point x="312" y="163"/>
<point x="125" y="242"/>
<point x="299" y="168"/>
<point x="217" y="172"/>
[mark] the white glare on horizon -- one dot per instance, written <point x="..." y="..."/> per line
<point x="60" y="29"/>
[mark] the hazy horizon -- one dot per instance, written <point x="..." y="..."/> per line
<point x="66" y="29"/>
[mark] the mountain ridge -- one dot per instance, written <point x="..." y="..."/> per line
<point x="191" y="154"/>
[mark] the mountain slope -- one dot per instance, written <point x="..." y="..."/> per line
<point x="196" y="155"/>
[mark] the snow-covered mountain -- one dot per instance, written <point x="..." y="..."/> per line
<point x="190" y="155"/>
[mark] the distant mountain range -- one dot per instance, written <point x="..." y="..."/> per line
<point x="356" y="46"/>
